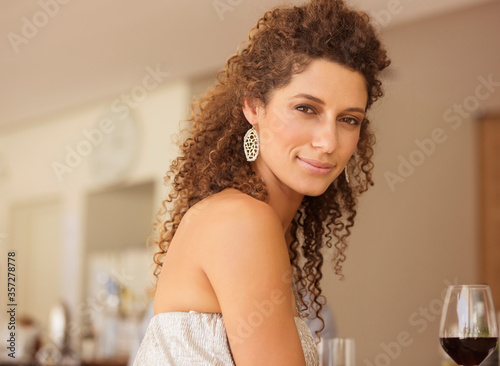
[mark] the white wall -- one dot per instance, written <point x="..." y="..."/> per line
<point x="417" y="234"/>
<point x="29" y="176"/>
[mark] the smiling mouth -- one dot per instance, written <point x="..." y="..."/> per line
<point x="316" y="166"/>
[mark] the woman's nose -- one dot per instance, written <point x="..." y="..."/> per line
<point x="326" y="138"/>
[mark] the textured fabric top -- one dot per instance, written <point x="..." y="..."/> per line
<point x="192" y="339"/>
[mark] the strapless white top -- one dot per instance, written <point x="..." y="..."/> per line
<point x="200" y="339"/>
<point x="196" y="339"/>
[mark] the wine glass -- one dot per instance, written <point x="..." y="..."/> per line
<point x="468" y="330"/>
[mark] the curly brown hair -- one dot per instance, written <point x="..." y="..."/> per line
<point x="283" y="43"/>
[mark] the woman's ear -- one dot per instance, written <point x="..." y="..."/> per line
<point x="252" y="109"/>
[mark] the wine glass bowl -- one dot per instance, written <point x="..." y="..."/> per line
<point x="468" y="331"/>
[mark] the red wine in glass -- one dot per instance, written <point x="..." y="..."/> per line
<point x="468" y="332"/>
<point x="469" y="351"/>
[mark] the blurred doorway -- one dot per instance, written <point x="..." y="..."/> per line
<point x="489" y="163"/>
<point x="117" y="267"/>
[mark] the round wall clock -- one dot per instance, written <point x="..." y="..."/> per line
<point x="117" y="151"/>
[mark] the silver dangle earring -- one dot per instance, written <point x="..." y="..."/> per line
<point x="251" y="144"/>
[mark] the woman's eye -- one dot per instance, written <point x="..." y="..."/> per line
<point x="305" y="109"/>
<point x="350" y="120"/>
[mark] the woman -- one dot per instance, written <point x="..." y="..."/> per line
<point x="262" y="186"/>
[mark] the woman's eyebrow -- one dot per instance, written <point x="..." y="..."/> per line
<point x="320" y="101"/>
<point x="310" y="97"/>
<point x="355" y="109"/>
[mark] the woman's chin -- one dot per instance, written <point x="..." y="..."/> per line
<point x="314" y="191"/>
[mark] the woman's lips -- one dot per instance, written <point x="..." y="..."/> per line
<point x="316" y="166"/>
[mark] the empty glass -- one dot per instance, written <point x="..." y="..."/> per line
<point x="337" y="352"/>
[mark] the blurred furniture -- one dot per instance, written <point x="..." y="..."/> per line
<point x="120" y="361"/>
<point x="56" y="349"/>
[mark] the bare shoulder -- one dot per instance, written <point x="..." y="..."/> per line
<point x="233" y="229"/>
<point x="229" y="201"/>
<point x="230" y="211"/>
<point x="243" y="253"/>
<point x="229" y="233"/>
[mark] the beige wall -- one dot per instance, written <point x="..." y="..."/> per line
<point x="410" y="239"/>
<point x="417" y="234"/>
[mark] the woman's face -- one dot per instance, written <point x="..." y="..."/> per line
<point x="310" y="128"/>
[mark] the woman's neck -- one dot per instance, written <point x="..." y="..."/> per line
<point x="285" y="206"/>
<point x="282" y="199"/>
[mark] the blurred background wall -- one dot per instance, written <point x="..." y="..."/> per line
<point x="418" y="227"/>
<point x="70" y="175"/>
